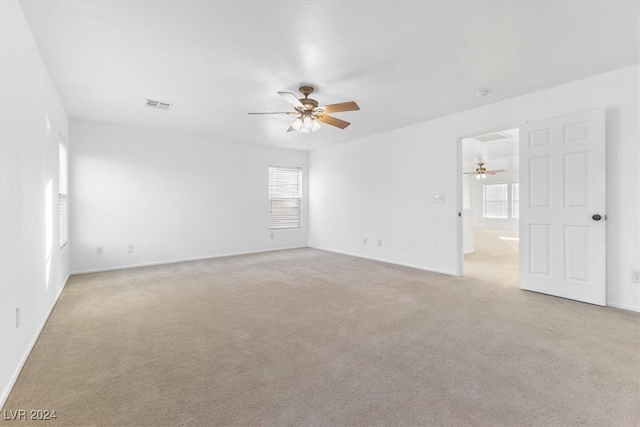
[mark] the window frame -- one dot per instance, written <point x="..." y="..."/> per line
<point x="515" y="185"/>
<point x="298" y="199"/>
<point x="63" y="192"/>
<point x="505" y="201"/>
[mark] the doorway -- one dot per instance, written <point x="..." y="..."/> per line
<point x="490" y="206"/>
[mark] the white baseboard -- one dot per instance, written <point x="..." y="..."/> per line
<point x="173" y="261"/>
<point x="623" y="306"/>
<point x="418" y="267"/>
<point x="16" y="374"/>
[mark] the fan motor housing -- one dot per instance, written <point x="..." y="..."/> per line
<point x="309" y="103"/>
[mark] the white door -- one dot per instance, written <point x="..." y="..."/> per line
<point x="562" y="207"/>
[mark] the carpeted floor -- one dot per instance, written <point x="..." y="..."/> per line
<point x="306" y="337"/>
<point x="495" y="257"/>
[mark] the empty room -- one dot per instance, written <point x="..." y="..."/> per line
<point x="272" y="213"/>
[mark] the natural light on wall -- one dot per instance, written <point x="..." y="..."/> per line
<point x="48" y="222"/>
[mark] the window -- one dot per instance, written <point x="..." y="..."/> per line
<point x="285" y="185"/>
<point x="515" y="200"/>
<point x="63" y="192"/>
<point x="495" y="200"/>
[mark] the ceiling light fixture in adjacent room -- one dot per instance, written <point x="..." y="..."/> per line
<point x="481" y="172"/>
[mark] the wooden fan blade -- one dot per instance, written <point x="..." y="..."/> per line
<point x="282" y="112"/>
<point x="291" y="129"/>
<point x="332" y="121"/>
<point x="469" y="173"/>
<point x="494" y="172"/>
<point x="291" y="99"/>
<point x="343" y="106"/>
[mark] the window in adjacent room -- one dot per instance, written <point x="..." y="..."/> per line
<point x="495" y="200"/>
<point x="63" y="192"/>
<point x="515" y="200"/>
<point x="285" y="194"/>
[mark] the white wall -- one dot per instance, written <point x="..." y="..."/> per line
<point x="33" y="268"/>
<point x="174" y="197"/>
<point x="382" y="187"/>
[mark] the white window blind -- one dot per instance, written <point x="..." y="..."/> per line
<point x="515" y="200"/>
<point x="63" y="192"/>
<point x="285" y="193"/>
<point x="495" y="200"/>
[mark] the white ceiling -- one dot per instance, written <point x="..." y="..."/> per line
<point x="403" y="62"/>
<point x="495" y="154"/>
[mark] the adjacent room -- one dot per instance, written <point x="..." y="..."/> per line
<point x="491" y="206"/>
<point x="319" y="213"/>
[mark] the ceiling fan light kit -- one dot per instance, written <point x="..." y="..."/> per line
<point x="305" y="125"/>
<point x="309" y="114"/>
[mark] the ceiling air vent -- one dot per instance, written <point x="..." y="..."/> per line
<point x="493" y="136"/>
<point x="158" y="105"/>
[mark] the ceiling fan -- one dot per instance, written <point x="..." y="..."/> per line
<point x="309" y="114"/>
<point x="481" y="172"/>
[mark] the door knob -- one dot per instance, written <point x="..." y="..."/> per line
<point x="596" y="217"/>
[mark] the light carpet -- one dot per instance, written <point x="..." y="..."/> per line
<point x="307" y="337"/>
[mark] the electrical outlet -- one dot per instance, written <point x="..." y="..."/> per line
<point x="99" y="250"/>
<point x="364" y="241"/>
<point x="379" y="243"/>
<point x="18" y="317"/>
<point x="438" y="198"/>
<point x="130" y="250"/>
<point x="635" y="276"/>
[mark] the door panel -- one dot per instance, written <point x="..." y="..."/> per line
<point x="540" y="177"/>
<point x="576" y="180"/>
<point x="562" y="169"/>
<point x="576" y="253"/>
<point x="540" y="254"/>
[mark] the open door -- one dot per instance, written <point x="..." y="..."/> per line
<point x="562" y="209"/>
